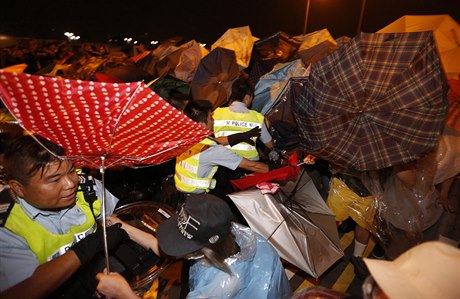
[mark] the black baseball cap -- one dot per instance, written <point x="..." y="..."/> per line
<point x="203" y="220"/>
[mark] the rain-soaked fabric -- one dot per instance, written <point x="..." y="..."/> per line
<point x="257" y="272"/>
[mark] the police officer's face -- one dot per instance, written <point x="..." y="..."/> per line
<point x="53" y="189"/>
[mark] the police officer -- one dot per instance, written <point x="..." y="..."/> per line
<point x="239" y="118"/>
<point x="195" y="168"/>
<point x="48" y="232"/>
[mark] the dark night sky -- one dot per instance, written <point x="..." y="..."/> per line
<point x="203" y="20"/>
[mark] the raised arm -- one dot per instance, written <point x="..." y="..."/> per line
<point x="146" y="240"/>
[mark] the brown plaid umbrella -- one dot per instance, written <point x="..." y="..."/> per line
<point x="378" y="101"/>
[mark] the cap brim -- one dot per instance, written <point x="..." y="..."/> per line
<point x="172" y="242"/>
<point x="391" y="280"/>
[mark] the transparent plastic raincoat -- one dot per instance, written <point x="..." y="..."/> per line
<point x="257" y="272"/>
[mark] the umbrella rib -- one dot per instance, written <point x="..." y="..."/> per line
<point x="119" y="117"/>
<point x="62" y="157"/>
<point x="84" y="158"/>
<point x="284" y="220"/>
<point x="296" y="186"/>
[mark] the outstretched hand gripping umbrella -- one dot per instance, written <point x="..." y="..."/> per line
<point x="100" y="124"/>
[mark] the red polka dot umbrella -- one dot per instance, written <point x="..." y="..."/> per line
<point x="100" y="124"/>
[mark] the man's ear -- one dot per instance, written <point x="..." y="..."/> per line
<point x="17" y="187"/>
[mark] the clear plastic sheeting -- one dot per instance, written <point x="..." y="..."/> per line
<point x="447" y="156"/>
<point x="256" y="272"/>
<point x="403" y="199"/>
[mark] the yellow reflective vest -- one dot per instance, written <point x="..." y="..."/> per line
<point x="186" y="176"/>
<point x="227" y="122"/>
<point x="44" y="244"/>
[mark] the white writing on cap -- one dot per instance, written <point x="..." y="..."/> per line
<point x="186" y="223"/>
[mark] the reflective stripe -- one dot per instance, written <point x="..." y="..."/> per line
<point x="236" y="123"/>
<point x="197" y="183"/>
<point x="225" y="133"/>
<point x="78" y="237"/>
<point x="227" y="122"/>
<point x="228" y="133"/>
<point x="242" y="147"/>
<point x="187" y="166"/>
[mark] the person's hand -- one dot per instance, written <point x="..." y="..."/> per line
<point x="244" y="137"/>
<point x="92" y="244"/>
<point x="111" y="220"/>
<point x="309" y="159"/>
<point x="113" y="285"/>
<point x="273" y="155"/>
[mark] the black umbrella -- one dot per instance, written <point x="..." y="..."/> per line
<point x="214" y="77"/>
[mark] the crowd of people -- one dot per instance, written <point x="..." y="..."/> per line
<point x="67" y="60"/>
<point x="51" y="235"/>
<point x="38" y="55"/>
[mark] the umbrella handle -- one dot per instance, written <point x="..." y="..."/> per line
<point x="103" y="205"/>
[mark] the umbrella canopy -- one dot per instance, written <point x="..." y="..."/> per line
<point x="100" y="124"/>
<point x="312" y="39"/>
<point x="214" y="77"/>
<point x="167" y="86"/>
<point x="188" y="61"/>
<point x="281" y="120"/>
<point x="239" y="40"/>
<point x="278" y="45"/>
<point x="271" y="84"/>
<point x="378" y="101"/>
<point x="342" y="40"/>
<point x="17" y="68"/>
<point x="140" y="56"/>
<point x="103" y="77"/>
<point x="296" y="221"/>
<point x="269" y="51"/>
<point x="128" y="72"/>
<point x="261" y="67"/>
<point x="148" y="62"/>
<point x="316" y="52"/>
<point x="85" y="71"/>
<point x="168" y="63"/>
<point x="446" y="32"/>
